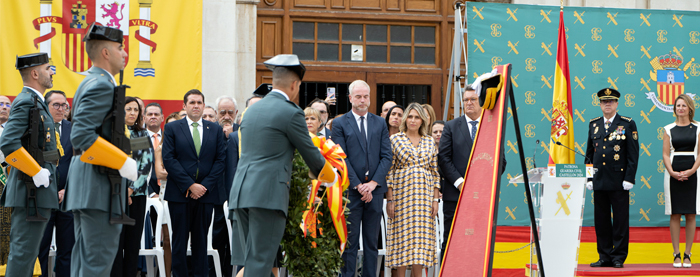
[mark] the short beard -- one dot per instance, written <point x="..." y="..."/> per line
<point x="46" y="82"/>
<point x="226" y="121"/>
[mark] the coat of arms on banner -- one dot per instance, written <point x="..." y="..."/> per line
<point x="670" y="80"/>
<point x="76" y="17"/>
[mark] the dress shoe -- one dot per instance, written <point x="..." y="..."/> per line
<point x="617" y="264"/>
<point x="601" y="263"/>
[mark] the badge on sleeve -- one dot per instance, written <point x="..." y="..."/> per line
<point x="634" y="135"/>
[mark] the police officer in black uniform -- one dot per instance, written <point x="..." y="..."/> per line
<point x="613" y="148"/>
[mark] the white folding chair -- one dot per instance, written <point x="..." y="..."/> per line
<point x="157" y="250"/>
<point x="228" y="226"/>
<point x="210" y="249"/>
<point x="52" y="254"/>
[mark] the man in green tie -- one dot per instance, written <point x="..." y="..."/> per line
<point x="194" y="154"/>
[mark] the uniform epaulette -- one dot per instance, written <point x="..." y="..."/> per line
<point x="596" y="118"/>
<point x="629" y="119"/>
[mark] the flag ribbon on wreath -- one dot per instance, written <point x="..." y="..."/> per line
<point x="336" y="157"/>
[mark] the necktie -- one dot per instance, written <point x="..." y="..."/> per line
<point x="607" y="124"/>
<point x="474" y="123"/>
<point x="195" y="137"/>
<point x="58" y="127"/>
<point x="364" y="138"/>
<point x="155" y="140"/>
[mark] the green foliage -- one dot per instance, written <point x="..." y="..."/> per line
<point x="301" y="258"/>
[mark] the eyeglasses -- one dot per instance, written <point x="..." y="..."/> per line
<point x="224" y="112"/>
<point x="59" y="106"/>
<point x="6" y="105"/>
<point x="322" y="112"/>
<point x="471" y="99"/>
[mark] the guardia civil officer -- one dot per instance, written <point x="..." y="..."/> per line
<point x="33" y="164"/>
<point x="613" y="149"/>
<point x="88" y="189"/>
<point x="270" y="131"/>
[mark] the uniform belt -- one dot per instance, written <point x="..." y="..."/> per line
<point x="77" y="152"/>
<point x="684" y="153"/>
<point x="52" y="156"/>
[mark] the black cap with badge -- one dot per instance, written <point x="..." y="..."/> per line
<point x="31" y="60"/>
<point x="608" y="94"/>
<point x="262" y="90"/>
<point x="289" y="61"/>
<point x="98" y="32"/>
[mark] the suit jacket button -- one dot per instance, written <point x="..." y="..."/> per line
<point x="603" y="147"/>
<point x="603" y="163"/>
<point x="622" y="169"/>
<point x="605" y="139"/>
<point x="603" y="155"/>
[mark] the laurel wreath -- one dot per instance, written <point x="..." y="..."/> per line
<point x="301" y="257"/>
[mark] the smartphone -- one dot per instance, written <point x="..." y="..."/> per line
<point x="331" y="95"/>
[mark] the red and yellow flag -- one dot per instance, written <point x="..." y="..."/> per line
<point x="562" y="115"/>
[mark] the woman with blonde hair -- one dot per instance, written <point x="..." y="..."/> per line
<point x="413" y="194"/>
<point x="680" y="152"/>
<point x="313" y="121"/>
<point x="430" y="112"/>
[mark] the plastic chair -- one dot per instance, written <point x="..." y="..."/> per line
<point x="228" y="226"/>
<point x="210" y="249"/>
<point x="157" y="250"/>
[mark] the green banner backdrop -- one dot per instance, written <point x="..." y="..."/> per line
<point x="621" y="48"/>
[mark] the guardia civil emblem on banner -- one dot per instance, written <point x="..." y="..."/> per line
<point x="77" y="15"/>
<point x="670" y="80"/>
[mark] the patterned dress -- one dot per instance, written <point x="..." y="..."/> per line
<point x="682" y="196"/>
<point x="411" y="234"/>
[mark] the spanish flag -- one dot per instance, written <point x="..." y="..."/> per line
<point x="562" y="114"/>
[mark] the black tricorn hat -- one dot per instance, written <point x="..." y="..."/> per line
<point x="489" y="91"/>
<point x="262" y="90"/>
<point x="30" y="60"/>
<point x="289" y="61"/>
<point x="98" y="32"/>
<point x="608" y="94"/>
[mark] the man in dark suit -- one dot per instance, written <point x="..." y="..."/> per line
<point x="65" y="238"/>
<point x="613" y="149"/>
<point x="453" y="156"/>
<point x="194" y="154"/>
<point x="365" y="139"/>
<point x="324" y="109"/>
<point x="226" y="111"/>
<point x="270" y="132"/>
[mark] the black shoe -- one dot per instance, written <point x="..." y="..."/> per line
<point x="601" y="263"/>
<point x="618" y="264"/>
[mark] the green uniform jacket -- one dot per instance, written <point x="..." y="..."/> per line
<point x="86" y="187"/>
<point x="15" y="194"/>
<point x="270" y="131"/>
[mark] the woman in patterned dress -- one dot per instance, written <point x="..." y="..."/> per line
<point x="680" y="153"/>
<point x="413" y="189"/>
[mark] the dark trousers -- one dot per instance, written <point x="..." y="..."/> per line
<point x="369" y="215"/>
<point x="127" y="259"/>
<point x="260" y="231"/>
<point x="612" y="235"/>
<point x="448" y="210"/>
<point x="65" y="238"/>
<point x="190" y="217"/>
<point x="219" y="240"/>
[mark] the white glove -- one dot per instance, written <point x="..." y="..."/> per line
<point x="41" y="179"/>
<point x="627" y="185"/>
<point x="476" y="85"/>
<point x="128" y="169"/>
<point x="328" y="185"/>
<point x="589" y="185"/>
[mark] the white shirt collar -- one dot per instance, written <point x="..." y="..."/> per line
<point x="37" y="93"/>
<point x="189" y="121"/>
<point x="470" y="120"/>
<point x="611" y="119"/>
<point x="150" y="134"/>
<point x="281" y="92"/>
<point x="357" y="116"/>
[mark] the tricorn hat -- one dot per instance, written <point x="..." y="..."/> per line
<point x="262" y="90"/>
<point x="103" y="33"/>
<point x="289" y="61"/>
<point x="30" y="60"/>
<point x="608" y="94"/>
<point x="488" y="93"/>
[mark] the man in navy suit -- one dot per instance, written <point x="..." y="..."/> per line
<point x="455" y="148"/>
<point x="194" y="154"/>
<point x="226" y="110"/>
<point x="65" y="238"/>
<point x="365" y="139"/>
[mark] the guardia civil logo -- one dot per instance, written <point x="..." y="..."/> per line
<point x="670" y="80"/>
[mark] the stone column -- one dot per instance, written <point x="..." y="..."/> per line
<point x="219" y="40"/>
<point x="246" y="27"/>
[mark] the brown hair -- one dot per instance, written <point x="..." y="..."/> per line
<point x="423" y="130"/>
<point x="175" y="115"/>
<point x="691" y="106"/>
<point x="431" y="112"/>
